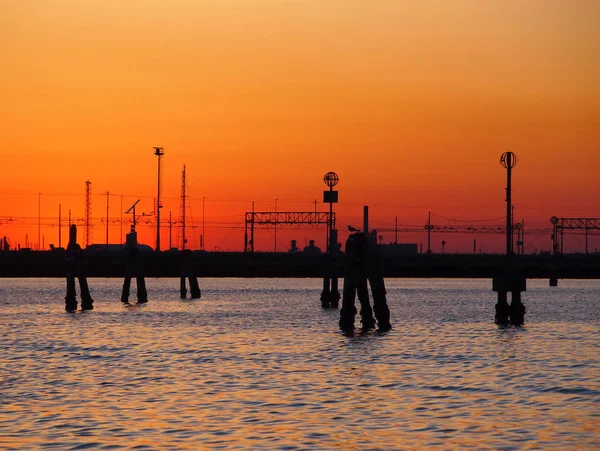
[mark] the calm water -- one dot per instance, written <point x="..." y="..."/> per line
<point x="257" y="364"/>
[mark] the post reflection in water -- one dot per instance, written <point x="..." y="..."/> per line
<point x="257" y="364"/>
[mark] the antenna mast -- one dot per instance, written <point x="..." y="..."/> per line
<point x="159" y="152"/>
<point x="88" y="214"/>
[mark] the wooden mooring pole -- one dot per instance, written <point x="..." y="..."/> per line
<point x="75" y="267"/>
<point x="187" y="270"/>
<point x="133" y="268"/>
<point x="330" y="296"/>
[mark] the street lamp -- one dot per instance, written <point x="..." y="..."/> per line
<point x="508" y="160"/>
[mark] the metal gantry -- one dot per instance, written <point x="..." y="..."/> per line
<point x="271" y="218"/>
<point x="559" y="225"/>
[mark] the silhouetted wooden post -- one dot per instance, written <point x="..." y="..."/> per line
<point x="335" y="296"/>
<point x="71" y="271"/>
<point x="182" y="285"/>
<point x="87" y="303"/>
<point x="375" y="275"/>
<point x="517" y="309"/>
<point x="502" y="307"/>
<point x="75" y="267"/>
<point x="330" y="296"/>
<point x="142" y="293"/>
<point x="348" y="310"/>
<point x="133" y="268"/>
<point x="187" y="270"/>
<point x="126" y="280"/>
<point x="326" y="293"/>
<point x="334" y="253"/>
<point x="362" y="290"/>
<point x="194" y="287"/>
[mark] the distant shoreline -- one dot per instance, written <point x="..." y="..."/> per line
<point x="16" y="264"/>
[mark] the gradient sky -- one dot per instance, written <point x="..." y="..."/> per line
<point x="410" y="102"/>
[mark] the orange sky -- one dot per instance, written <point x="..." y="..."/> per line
<point x="410" y="102"/>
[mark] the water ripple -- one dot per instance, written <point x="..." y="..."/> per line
<point x="250" y="366"/>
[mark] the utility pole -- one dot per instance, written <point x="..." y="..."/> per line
<point x="429" y="234"/>
<point x="183" y="198"/>
<point x="107" y="201"/>
<point x="88" y="213"/>
<point x="523" y="237"/>
<point x="159" y="152"/>
<point x="39" y="243"/>
<point x="275" y="226"/>
<point x="59" y="228"/>
<point x="396" y="239"/>
<point x="121" y="221"/>
<point x="203" y="231"/>
<point x="512" y="228"/>
<point x="252" y="230"/>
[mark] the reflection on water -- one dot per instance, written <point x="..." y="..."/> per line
<point x="257" y="364"/>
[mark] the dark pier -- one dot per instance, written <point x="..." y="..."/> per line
<point x="112" y="263"/>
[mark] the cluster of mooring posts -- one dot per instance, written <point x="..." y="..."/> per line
<point x="363" y="264"/>
<point x="75" y="267"/>
<point x="510" y="279"/>
<point x="133" y="267"/>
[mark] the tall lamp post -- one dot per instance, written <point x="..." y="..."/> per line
<point x="330" y="295"/>
<point x="159" y="152"/>
<point x="508" y="161"/>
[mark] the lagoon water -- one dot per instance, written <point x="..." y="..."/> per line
<point x="257" y="364"/>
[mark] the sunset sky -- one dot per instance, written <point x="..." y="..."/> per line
<point x="410" y="102"/>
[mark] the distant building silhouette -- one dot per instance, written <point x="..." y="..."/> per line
<point x="114" y="249"/>
<point x="311" y="248"/>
